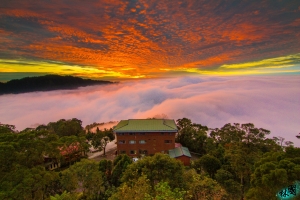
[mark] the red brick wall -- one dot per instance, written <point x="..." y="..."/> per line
<point x="155" y="142"/>
<point x="186" y="160"/>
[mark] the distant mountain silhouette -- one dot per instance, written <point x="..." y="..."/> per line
<point x="46" y="83"/>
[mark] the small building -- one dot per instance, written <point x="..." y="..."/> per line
<point x="181" y="153"/>
<point x="51" y="163"/>
<point x="68" y="155"/>
<point x="142" y="137"/>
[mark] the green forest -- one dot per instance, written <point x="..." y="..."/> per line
<point x="236" y="161"/>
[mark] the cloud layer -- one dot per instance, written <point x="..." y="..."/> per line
<point x="268" y="102"/>
<point x="137" y="39"/>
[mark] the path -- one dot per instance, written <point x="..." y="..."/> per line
<point x="110" y="150"/>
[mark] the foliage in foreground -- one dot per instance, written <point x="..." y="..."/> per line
<point x="236" y="161"/>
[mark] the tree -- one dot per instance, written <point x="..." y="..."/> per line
<point x="65" y="196"/>
<point x="239" y="140"/>
<point x="163" y="191"/>
<point x="105" y="166"/>
<point x="293" y="154"/>
<point x="273" y="172"/>
<point x="7" y="128"/>
<point x="183" y="123"/>
<point x="227" y="180"/>
<point x="26" y="183"/>
<point x="281" y="140"/>
<point x="141" y="189"/>
<point x="193" y="136"/>
<point x="157" y="168"/>
<point x="84" y="174"/>
<point x="64" y="127"/>
<point x="253" y="135"/>
<point x="120" y="164"/>
<point x="227" y="134"/>
<point x="241" y="164"/>
<point x="246" y="133"/>
<point x="72" y="148"/>
<point x="65" y="140"/>
<point x="270" y="145"/>
<point x="209" y="163"/>
<point x="30" y="148"/>
<point x="22" y="171"/>
<point x="102" y="138"/>
<point x="201" y="187"/>
<point x="278" y="140"/>
<point x="288" y="143"/>
<point x="8" y="157"/>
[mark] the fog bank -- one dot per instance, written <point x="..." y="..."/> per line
<point x="272" y="103"/>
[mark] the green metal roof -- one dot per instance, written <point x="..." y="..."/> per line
<point x="179" y="151"/>
<point x="146" y="125"/>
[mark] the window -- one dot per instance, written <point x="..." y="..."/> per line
<point x="145" y="152"/>
<point x="131" y="141"/>
<point x="120" y="133"/>
<point x="132" y="152"/>
<point x="131" y="133"/>
<point x="142" y="133"/>
<point x="122" y="142"/>
<point x="122" y="152"/>
<point x="168" y="141"/>
<point x="162" y="133"/>
<point x="142" y="141"/>
<point x="170" y="133"/>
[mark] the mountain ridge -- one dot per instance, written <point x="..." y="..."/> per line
<point x="47" y="83"/>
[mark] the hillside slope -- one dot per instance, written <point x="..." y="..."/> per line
<point x="46" y="83"/>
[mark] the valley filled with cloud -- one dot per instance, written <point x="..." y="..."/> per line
<point x="270" y="102"/>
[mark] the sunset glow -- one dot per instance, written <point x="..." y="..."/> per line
<point x="149" y="99"/>
<point x="215" y="61"/>
<point x="120" y="40"/>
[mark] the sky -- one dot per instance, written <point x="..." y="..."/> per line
<point x="140" y="39"/>
<point x="213" y="61"/>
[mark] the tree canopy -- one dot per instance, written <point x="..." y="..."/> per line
<point x="236" y="161"/>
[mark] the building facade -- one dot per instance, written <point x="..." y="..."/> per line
<point x="181" y="153"/>
<point x="142" y="137"/>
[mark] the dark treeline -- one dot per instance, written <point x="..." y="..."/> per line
<point x="240" y="157"/>
<point x="236" y="161"/>
<point x="46" y="83"/>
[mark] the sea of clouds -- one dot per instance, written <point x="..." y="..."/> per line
<point x="270" y="102"/>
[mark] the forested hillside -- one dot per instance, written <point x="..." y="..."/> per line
<point x="236" y="161"/>
<point x="46" y="83"/>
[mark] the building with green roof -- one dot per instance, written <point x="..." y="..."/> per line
<point x="140" y="137"/>
<point x="181" y="153"/>
<point x="146" y="125"/>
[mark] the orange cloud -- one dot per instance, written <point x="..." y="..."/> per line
<point x="146" y="36"/>
<point x="244" y="32"/>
